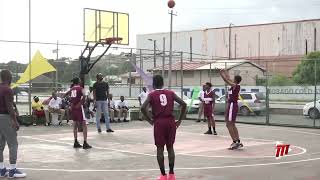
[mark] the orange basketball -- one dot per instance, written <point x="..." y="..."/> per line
<point x="171" y="3"/>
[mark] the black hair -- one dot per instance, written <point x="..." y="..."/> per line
<point x="238" y="79"/>
<point x="209" y="84"/>
<point x="75" y="80"/>
<point x="157" y="81"/>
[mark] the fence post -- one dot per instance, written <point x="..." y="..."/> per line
<point x="140" y="82"/>
<point x="210" y="72"/>
<point x="267" y="96"/>
<point x="315" y="91"/>
<point x="131" y="60"/>
<point x="181" y="73"/>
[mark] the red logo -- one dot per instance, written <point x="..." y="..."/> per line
<point x="282" y="150"/>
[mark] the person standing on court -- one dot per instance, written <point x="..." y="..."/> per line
<point x="208" y="106"/>
<point x="232" y="108"/>
<point x="100" y="97"/>
<point x="8" y="127"/>
<point x="163" y="121"/>
<point x="142" y="97"/>
<point x="200" y="97"/>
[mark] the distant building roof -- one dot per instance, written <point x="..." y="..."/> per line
<point x="219" y="64"/>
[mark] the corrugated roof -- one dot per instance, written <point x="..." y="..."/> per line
<point x="221" y="64"/>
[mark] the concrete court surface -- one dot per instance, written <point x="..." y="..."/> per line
<point x="46" y="153"/>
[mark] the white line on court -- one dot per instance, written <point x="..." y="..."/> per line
<point x="198" y="168"/>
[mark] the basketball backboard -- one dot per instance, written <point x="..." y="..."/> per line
<point x="100" y="25"/>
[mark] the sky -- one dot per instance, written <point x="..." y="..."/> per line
<point x="62" y="20"/>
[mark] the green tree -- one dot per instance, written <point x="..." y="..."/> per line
<point x="304" y="73"/>
<point x="280" y="80"/>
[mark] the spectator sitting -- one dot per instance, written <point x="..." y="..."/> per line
<point x="37" y="110"/>
<point x="122" y="106"/>
<point x="112" y="108"/>
<point x="55" y="106"/>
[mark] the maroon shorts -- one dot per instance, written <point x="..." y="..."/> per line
<point x="77" y="114"/>
<point x="39" y="114"/>
<point x="164" y="131"/>
<point x="208" y="110"/>
<point x="232" y="111"/>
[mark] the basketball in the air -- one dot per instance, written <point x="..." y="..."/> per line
<point x="171" y="3"/>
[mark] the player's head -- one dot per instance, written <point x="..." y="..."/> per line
<point x="157" y="82"/>
<point x="144" y="89"/>
<point x="204" y="87"/>
<point x="99" y="77"/>
<point x="6" y="76"/>
<point x="237" y="79"/>
<point x="75" y="81"/>
<point x="208" y="86"/>
<point x="122" y="98"/>
<point x="36" y="99"/>
<point x="54" y="95"/>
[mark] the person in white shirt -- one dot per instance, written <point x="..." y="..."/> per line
<point x="55" y="104"/>
<point x="142" y="97"/>
<point x="123" y="109"/>
<point x="112" y="108"/>
<point x="200" y="112"/>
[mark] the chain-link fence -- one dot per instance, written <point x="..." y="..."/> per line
<point x="276" y="91"/>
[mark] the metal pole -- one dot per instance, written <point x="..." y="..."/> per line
<point x="154" y="53"/>
<point x="306" y="46"/>
<point x="267" y="96"/>
<point x="210" y="73"/>
<point x="140" y="82"/>
<point x="235" y="46"/>
<point x="170" y="51"/>
<point x="226" y="88"/>
<point x="131" y="60"/>
<point x="259" y="47"/>
<point x="315" y="90"/>
<point x="181" y="74"/>
<point x="57" y="58"/>
<point x="190" y="49"/>
<point x="315" y="39"/>
<point x="229" y="41"/>
<point x="30" y="81"/>
<point x="163" y="55"/>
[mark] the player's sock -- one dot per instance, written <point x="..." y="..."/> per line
<point x="163" y="171"/>
<point x="214" y="129"/>
<point x="171" y="166"/>
<point x="210" y="129"/>
<point x="238" y="141"/>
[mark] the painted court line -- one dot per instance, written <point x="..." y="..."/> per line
<point x="197" y="168"/>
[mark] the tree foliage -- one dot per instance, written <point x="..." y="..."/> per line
<point x="305" y="72"/>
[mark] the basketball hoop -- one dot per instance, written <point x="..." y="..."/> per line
<point x="112" y="40"/>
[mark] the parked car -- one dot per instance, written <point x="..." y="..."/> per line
<point x="187" y="100"/>
<point x="256" y="102"/>
<point x="311" y="111"/>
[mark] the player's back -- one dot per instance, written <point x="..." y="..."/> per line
<point x="162" y="104"/>
<point x="76" y="93"/>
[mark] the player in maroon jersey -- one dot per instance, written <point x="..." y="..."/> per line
<point x="209" y="102"/>
<point x="232" y="108"/>
<point x="77" y="99"/>
<point x="163" y="120"/>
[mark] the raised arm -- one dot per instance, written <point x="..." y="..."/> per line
<point x="226" y="78"/>
<point x="183" y="108"/>
<point x="144" y="110"/>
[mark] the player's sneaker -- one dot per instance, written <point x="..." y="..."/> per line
<point x="15" y="173"/>
<point x="171" y="177"/>
<point x="208" y="132"/>
<point x="198" y="120"/>
<point x="215" y="133"/>
<point x="125" y="120"/>
<point x="3" y="172"/>
<point x="77" y="145"/>
<point x="234" y="146"/>
<point x="99" y="130"/>
<point x="240" y="145"/>
<point x="86" y="146"/>
<point x="162" y="177"/>
<point x="110" y="131"/>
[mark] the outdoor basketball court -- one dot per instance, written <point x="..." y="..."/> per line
<point x="129" y="153"/>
